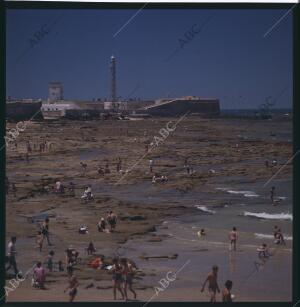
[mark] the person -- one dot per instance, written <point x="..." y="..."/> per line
<point x="83" y="229"/>
<point x="274" y="162"/>
<point x="279" y="239"/>
<point x="263" y="252"/>
<point x="39" y="276"/>
<point x="91" y="249"/>
<point x="151" y="165"/>
<point x="70" y="260"/>
<point x="113" y="221"/>
<point x="100" y="171"/>
<point x="233" y="238"/>
<point x="101" y="225"/>
<point x="117" y="271"/>
<point x="275" y="231"/>
<point x="50" y="261"/>
<point x="119" y="164"/>
<point x="83" y="166"/>
<point x="14" y="189"/>
<point x="87" y="194"/>
<point x="28" y="146"/>
<point x="212" y="283"/>
<point x="12" y="255"/>
<point x="72" y="287"/>
<point x="107" y="170"/>
<point x="128" y="272"/>
<point x="272" y="194"/>
<point x="45" y="230"/>
<point x="57" y="186"/>
<point x="72" y="188"/>
<point x="267" y="163"/>
<point x="226" y="294"/>
<point x="40" y="240"/>
<point x="154" y="178"/>
<point x="60" y="266"/>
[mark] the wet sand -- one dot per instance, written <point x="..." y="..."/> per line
<point x="143" y="207"/>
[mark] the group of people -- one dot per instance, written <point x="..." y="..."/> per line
<point x="213" y="287"/>
<point x="111" y="220"/>
<point x="122" y="276"/>
<point x="156" y="178"/>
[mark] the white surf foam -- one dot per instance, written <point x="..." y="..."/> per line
<point x="245" y="193"/>
<point x="270" y="216"/>
<point x="271" y="237"/>
<point x="206" y="210"/>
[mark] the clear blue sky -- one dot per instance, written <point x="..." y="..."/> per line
<point x="229" y="59"/>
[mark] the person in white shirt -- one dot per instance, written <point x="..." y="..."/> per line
<point x="12" y="255"/>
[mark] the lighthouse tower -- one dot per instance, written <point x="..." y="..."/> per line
<point x="113" y="86"/>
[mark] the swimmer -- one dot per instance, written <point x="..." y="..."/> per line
<point x="212" y="283"/>
<point x="201" y="233"/>
<point x="272" y="194"/>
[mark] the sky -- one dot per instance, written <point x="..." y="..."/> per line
<point x="233" y="55"/>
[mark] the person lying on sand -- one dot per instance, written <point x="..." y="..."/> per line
<point x="212" y="283"/>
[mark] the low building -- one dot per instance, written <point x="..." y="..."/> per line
<point x="180" y="106"/>
<point x="23" y="109"/>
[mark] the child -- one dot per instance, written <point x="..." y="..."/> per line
<point x="39" y="275"/>
<point x="101" y="225"/>
<point x="226" y="294"/>
<point x="212" y="283"/>
<point x="233" y="238"/>
<point x="40" y="240"/>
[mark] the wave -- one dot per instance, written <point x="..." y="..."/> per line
<point x="206" y="210"/>
<point x="270" y="216"/>
<point x="266" y="236"/>
<point x="245" y="193"/>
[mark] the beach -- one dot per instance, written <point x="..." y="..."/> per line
<point x="229" y="185"/>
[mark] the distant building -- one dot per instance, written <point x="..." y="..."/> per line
<point x="56" y="92"/>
